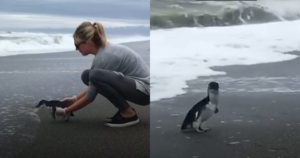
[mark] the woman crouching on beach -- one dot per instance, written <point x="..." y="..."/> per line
<point x="117" y="73"/>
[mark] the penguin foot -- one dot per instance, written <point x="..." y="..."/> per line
<point x="200" y="130"/>
<point x="205" y="129"/>
<point x="66" y="118"/>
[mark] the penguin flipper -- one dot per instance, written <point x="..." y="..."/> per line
<point x="53" y="112"/>
<point x="189" y="118"/>
<point x="184" y="124"/>
<point x="186" y="121"/>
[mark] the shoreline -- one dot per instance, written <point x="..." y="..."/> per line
<point x="220" y="69"/>
<point x="124" y="43"/>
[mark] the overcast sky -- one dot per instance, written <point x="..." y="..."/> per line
<point x="63" y="14"/>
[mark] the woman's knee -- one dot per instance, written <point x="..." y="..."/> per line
<point x="85" y="77"/>
<point x="145" y="101"/>
<point x="97" y="75"/>
<point x="141" y="99"/>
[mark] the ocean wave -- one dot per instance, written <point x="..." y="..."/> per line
<point x="183" y="54"/>
<point x="225" y="15"/>
<point x="13" y="43"/>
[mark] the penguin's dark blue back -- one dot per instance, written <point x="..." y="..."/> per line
<point x="53" y="104"/>
<point x="191" y="115"/>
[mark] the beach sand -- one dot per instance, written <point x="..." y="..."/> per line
<point x="26" y="79"/>
<point x="254" y="121"/>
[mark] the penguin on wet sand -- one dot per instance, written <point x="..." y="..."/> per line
<point x="53" y="104"/>
<point x="203" y="110"/>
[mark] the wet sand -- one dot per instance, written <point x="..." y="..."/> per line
<point x="258" y="117"/>
<point x="25" y="132"/>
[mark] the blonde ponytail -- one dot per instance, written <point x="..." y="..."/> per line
<point x="99" y="36"/>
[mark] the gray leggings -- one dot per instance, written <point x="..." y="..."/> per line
<point x="116" y="88"/>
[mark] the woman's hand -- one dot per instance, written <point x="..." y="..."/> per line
<point x="70" y="100"/>
<point x="57" y="111"/>
<point x="82" y="102"/>
<point x="60" y="112"/>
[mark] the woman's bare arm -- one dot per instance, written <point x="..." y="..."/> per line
<point x="79" y="96"/>
<point x="80" y="103"/>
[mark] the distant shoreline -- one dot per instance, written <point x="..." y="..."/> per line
<point x="8" y="56"/>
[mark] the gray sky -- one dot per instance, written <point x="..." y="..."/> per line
<point x="67" y="14"/>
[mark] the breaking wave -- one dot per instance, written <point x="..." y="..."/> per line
<point x="181" y="15"/>
<point x="14" y="43"/>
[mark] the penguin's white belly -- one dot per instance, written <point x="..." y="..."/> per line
<point x="208" y="112"/>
